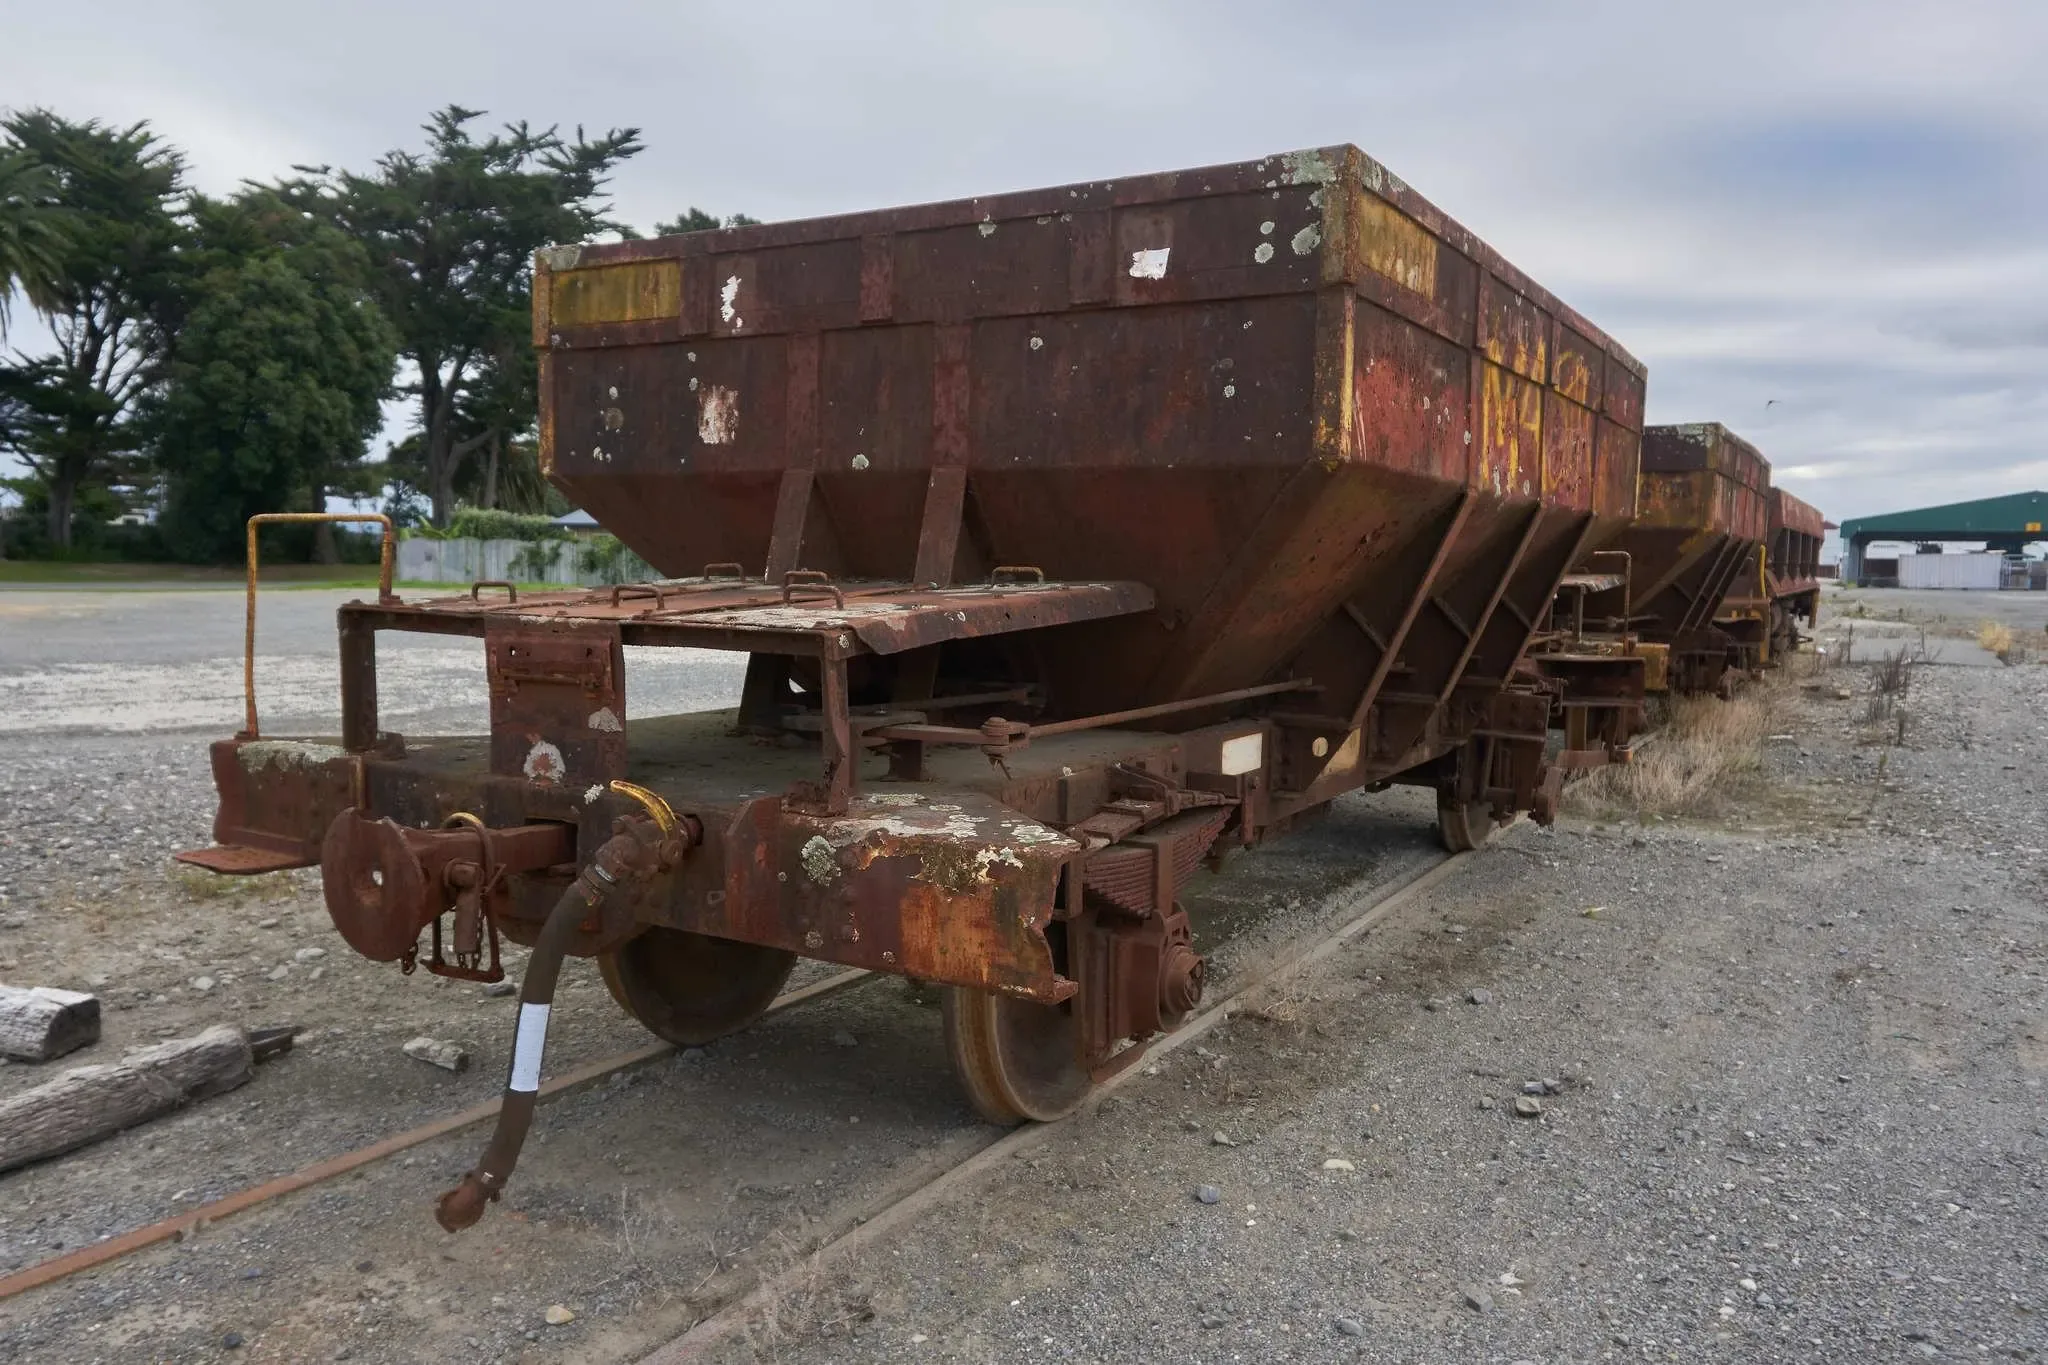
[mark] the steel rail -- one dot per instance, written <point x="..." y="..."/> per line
<point x="179" y="1227"/>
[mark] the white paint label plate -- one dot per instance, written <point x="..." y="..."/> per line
<point x="527" y="1045"/>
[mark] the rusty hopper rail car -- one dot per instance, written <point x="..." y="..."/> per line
<point x="1626" y="620"/>
<point x="1696" y="541"/>
<point x="1792" y="569"/>
<point x="1073" y="536"/>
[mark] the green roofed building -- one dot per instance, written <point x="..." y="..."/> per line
<point x="2006" y="524"/>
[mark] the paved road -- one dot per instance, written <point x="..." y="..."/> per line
<point x="2020" y="610"/>
<point x="137" y="660"/>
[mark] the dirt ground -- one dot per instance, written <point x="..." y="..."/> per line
<point x="1939" y="608"/>
<point x="1796" y="1035"/>
<point x="634" y="1201"/>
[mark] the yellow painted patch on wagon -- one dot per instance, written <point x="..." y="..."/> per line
<point x="1396" y="246"/>
<point x="633" y="291"/>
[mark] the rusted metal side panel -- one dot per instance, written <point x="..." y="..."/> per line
<point x="558" y="701"/>
<point x="1797" y="530"/>
<point x="1617" y="454"/>
<point x="958" y="890"/>
<point x="277" y="797"/>
<point x="1251" y="387"/>
<point x="1702" y="514"/>
<point x="1412" y="404"/>
<point x="1789" y="513"/>
<point x="1704" y="477"/>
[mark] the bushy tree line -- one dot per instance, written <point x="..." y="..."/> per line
<point x="225" y="356"/>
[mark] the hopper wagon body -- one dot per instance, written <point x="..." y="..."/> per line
<point x="1707" y="583"/>
<point x="1792" y="568"/>
<point x="1071" y="537"/>
<point x="1695" y="556"/>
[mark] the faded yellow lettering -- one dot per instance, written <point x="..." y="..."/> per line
<point x="1532" y="428"/>
<point x="1512" y="320"/>
<point x="1511" y="431"/>
<point x="1495" y="405"/>
<point x="1568" y="456"/>
<point x="1574" y="375"/>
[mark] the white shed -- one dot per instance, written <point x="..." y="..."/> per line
<point x="1979" y="571"/>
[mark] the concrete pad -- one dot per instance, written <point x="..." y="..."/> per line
<point x="1875" y="638"/>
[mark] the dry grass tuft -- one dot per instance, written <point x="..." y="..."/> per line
<point x="2002" y="640"/>
<point x="801" y="1300"/>
<point x="1287" y="1004"/>
<point x="197" y="884"/>
<point x="1707" y="749"/>
<point x="1892" y="674"/>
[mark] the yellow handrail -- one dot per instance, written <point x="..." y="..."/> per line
<point x="384" y="593"/>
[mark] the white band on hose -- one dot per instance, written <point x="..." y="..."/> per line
<point x="527" y="1045"/>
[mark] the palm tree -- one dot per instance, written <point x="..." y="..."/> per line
<point x="32" y="233"/>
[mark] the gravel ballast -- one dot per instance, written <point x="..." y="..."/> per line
<point x="1779" y="1079"/>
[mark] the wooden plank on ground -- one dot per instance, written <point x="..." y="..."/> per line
<point x="39" y="1023"/>
<point x="88" y="1103"/>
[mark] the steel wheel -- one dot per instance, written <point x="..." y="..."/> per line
<point x="690" y="988"/>
<point x="1462" y="826"/>
<point x="1016" y="1059"/>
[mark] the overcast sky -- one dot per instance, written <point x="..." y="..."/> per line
<point x="1822" y="223"/>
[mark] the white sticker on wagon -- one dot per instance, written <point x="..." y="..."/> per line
<point x="1245" y="754"/>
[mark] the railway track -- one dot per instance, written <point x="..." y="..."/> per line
<point x="924" y="1189"/>
<point x="177" y="1228"/>
<point x="956" y="1165"/>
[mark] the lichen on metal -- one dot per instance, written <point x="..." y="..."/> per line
<point x="1307" y="167"/>
<point x="820" y="861"/>
<point x="284" y="754"/>
<point x="559" y="257"/>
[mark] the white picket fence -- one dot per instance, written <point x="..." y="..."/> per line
<point x="424" y="560"/>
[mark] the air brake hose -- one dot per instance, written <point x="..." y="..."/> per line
<point x="624" y="857"/>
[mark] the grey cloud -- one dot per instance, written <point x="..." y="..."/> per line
<point x="1832" y="204"/>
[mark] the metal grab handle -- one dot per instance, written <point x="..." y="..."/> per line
<point x="511" y="592"/>
<point x="738" y="570"/>
<point x="1015" y="573"/>
<point x="815" y="580"/>
<point x="640" y="590"/>
<point x="387" y="560"/>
